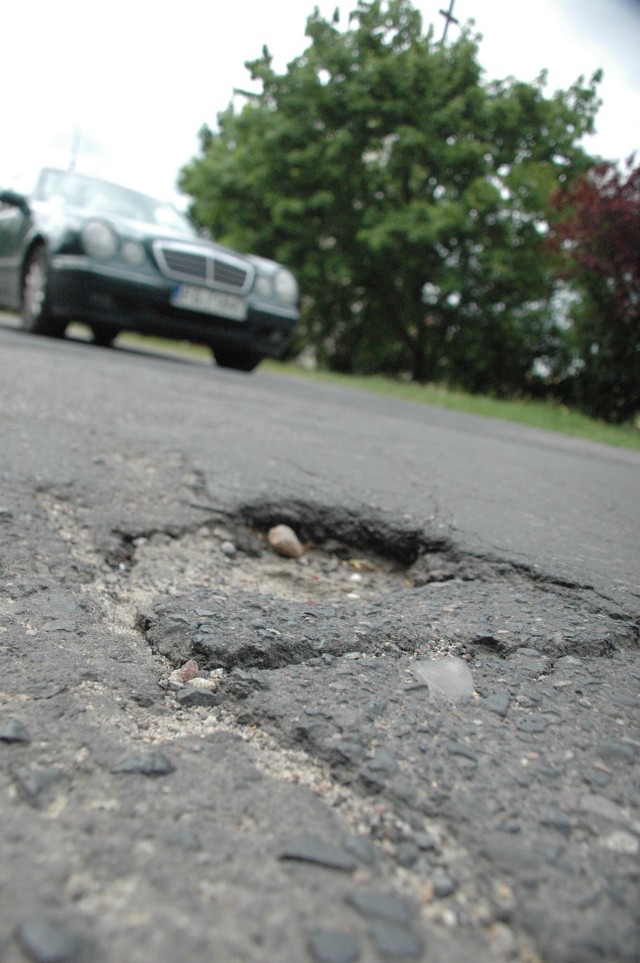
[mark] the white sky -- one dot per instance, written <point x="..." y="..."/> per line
<point x="138" y="78"/>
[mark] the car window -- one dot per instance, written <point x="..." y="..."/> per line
<point x="67" y="189"/>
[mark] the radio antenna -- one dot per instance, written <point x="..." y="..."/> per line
<point x="75" y="146"/>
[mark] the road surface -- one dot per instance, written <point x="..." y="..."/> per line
<point x="418" y="741"/>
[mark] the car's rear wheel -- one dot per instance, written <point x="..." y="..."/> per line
<point x="238" y="358"/>
<point x="104" y="334"/>
<point x="35" y="315"/>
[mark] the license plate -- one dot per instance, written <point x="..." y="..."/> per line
<point x="209" y="302"/>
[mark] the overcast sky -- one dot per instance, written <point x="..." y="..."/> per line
<point x="136" y="79"/>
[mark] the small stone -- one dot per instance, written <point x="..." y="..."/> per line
<point x="459" y="749"/>
<point x="407" y="854"/>
<point x="348" y="751"/>
<point x="567" y="661"/>
<point x="284" y="541"/>
<point x="380" y="906"/>
<point x="360" y="847"/>
<point x="383" y="761"/>
<point x="396" y="941"/>
<point x="510" y="826"/>
<point x="34" y="781"/>
<point x="312" y="849"/>
<point x="443" y="885"/>
<point x="498" y="702"/>
<point x="248" y="542"/>
<point x="48" y="941"/>
<point x="211" y="684"/>
<point x="595" y="777"/>
<point x="613" y="749"/>
<point x="622" y="842"/>
<point x="185" y="839"/>
<point x="61" y="625"/>
<point x="601" y="806"/>
<point x="145" y="763"/>
<point x="188" y="671"/>
<point x="504" y="900"/>
<point x="374" y="781"/>
<point x="624" y="700"/>
<point x="228" y="549"/>
<point x="558" y="821"/>
<point x="425" y="841"/>
<point x="532" y="723"/>
<point x="450" y="677"/>
<point x="13" y="731"/>
<point x="191" y="695"/>
<point x="549" y="772"/>
<point x="48" y="690"/>
<point x="172" y="683"/>
<point x="331" y="946"/>
<point x="530" y="662"/>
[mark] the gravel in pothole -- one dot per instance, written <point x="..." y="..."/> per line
<point x="214" y="558"/>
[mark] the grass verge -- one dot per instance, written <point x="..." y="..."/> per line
<point x="538" y="414"/>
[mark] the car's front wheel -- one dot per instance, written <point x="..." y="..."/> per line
<point x="238" y="358"/>
<point x="35" y="314"/>
<point x="104" y="334"/>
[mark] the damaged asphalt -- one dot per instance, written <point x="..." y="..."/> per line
<point x="418" y="741"/>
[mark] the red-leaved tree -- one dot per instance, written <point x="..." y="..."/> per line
<point x="597" y="239"/>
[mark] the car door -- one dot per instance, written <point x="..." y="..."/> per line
<point x="14" y="226"/>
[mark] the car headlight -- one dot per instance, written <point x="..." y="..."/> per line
<point x="99" y="240"/>
<point x="264" y="286"/>
<point x="286" y="286"/>
<point x="133" y="253"/>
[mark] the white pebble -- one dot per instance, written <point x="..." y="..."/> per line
<point x="622" y="842"/>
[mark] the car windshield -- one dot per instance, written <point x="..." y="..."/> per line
<point x="101" y="197"/>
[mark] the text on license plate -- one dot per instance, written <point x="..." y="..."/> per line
<point x="209" y="302"/>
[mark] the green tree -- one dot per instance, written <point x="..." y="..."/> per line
<point x="409" y="195"/>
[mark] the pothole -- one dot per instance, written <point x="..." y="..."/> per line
<point x="347" y="558"/>
<point x="217" y="593"/>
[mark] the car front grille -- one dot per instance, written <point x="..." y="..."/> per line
<point x="182" y="262"/>
<point x="229" y="274"/>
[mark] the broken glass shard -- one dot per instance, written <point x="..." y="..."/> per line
<point x="450" y="677"/>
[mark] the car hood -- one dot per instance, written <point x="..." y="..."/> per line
<point x="56" y="221"/>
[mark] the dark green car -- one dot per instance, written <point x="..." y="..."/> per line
<point x="82" y="249"/>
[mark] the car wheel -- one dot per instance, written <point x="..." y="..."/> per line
<point x="104" y="334"/>
<point x="237" y="358"/>
<point x="35" y="315"/>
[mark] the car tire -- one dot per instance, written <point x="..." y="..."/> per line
<point x="104" y="334"/>
<point x="237" y="358"/>
<point x="35" y="310"/>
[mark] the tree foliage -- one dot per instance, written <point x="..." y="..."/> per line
<point x="409" y="194"/>
<point x="598" y="238"/>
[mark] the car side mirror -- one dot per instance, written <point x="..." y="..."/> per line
<point x="15" y="200"/>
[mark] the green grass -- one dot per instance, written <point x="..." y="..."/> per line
<point x="538" y="414"/>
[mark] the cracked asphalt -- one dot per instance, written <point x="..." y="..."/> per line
<point x="419" y="741"/>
